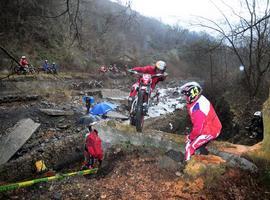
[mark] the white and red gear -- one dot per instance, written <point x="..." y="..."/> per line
<point x="192" y="91"/>
<point x="23" y="62"/>
<point x="206" y="125"/>
<point x="103" y="69"/>
<point x="161" y="65"/>
<point x="152" y="70"/>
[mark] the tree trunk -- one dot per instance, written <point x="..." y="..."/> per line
<point x="211" y="70"/>
<point x="266" y="123"/>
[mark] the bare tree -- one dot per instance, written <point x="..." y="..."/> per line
<point x="249" y="40"/>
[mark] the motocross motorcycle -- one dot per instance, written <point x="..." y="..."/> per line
<point x="141" y="103"/>
<point x="26" y="70"/>
<point x="51" y="70"/>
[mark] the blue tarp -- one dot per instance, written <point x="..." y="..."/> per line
<point x="102" y="108"/>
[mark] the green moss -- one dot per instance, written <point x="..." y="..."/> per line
<point x="265" y="178"/>
<point x="111" y="123"/>
<point x="213" y="173"/>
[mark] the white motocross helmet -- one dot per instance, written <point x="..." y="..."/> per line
<point x="161" y="65"/>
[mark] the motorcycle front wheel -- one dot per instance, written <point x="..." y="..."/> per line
<point x="139" y="111"/>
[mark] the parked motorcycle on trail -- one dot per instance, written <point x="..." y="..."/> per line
<point x="24" y="70"/>
<point x="51" y="70"/>
<point x="142" y="101"/>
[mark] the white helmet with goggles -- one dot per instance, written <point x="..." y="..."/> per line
<point x="161" y="65"/>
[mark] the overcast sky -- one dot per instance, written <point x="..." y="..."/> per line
<point x="170" y="11"/>
<point x="186" y="12"/>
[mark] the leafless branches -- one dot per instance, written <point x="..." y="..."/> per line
<point x="67" y="10"/>
<point x="249" y="40"/>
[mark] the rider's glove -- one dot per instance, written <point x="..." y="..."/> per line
<point x="133" y="71"/>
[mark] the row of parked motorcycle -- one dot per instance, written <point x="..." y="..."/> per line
<point x="30" y="69"/>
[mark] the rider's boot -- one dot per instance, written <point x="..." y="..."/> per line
<point x="203" y="150"/>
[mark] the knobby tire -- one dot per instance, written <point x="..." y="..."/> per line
<point x="139" y="111"/>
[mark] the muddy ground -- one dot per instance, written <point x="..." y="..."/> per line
<point x="63" y="93"/>
<point x="142" y="174"/>
<point x="131" y="173"/>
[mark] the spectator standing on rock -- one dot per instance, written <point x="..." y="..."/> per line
<point x="89" y="101"/>
<point x="206" y="124"/>
<point x="93" y="152"/>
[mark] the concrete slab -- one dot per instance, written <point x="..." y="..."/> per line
<point x="54" y="112"/>
<point x="114" y="94"/>
<point x="92" y="92"/>
<point x="116" y="115"/>
<point x="14" y="98"/>
<point x="15" y="139"/>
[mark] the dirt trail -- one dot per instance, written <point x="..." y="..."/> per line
<point x="137" y="174"/>
<point x="132" y="173"/>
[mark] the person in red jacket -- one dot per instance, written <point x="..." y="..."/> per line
<point x="206" y="124"/>
<point x="93" y="152"/>
<point x="158" y="68"/>
<point x="23" y="62"/>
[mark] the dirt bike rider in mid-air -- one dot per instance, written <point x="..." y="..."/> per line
<point x="158" y="68"/>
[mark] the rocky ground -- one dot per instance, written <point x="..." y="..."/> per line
<point x="144" y="174"/>
<point x="61" y="93"/>
<point x="129" y="172"/>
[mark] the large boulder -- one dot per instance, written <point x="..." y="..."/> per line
<point x="209" y="165"/>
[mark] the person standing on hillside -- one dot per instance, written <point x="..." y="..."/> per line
<point x="53" y="68"/>
<point x="93" y="152"/>
<point x="45" y="66"/>
<point x="206" y="124"/>
<point x="89" y="101"/>
<point x="158" y="68"/>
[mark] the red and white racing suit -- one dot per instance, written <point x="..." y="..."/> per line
<point x="24" y="62"/>
<point x="206" y="125"/>
<point x="146" y="70"/>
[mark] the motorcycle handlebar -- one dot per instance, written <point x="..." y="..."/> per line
<point x="154" y="75"/>
<point x="132" y="71"/>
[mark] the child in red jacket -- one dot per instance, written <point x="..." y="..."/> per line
<point x="93" y="152"/>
